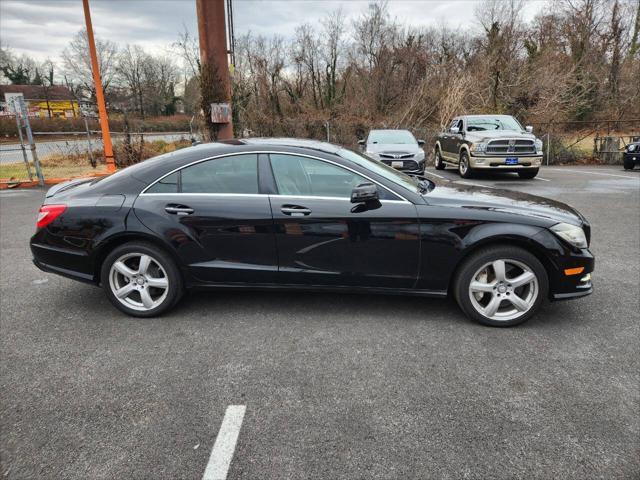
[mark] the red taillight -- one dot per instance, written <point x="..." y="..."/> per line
<point x="48" y="213"/>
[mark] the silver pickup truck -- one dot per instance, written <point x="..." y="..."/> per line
<point x="488" y="143"/>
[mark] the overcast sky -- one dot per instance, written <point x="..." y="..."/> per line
<point x="42" y="28"/>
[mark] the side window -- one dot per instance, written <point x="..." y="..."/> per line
<point x="233" y="174"/>
<point x="310" y="177"/>
<point x="454" y="123"/>
<point x="460" y="125"/>
<point x="168" y="184"/>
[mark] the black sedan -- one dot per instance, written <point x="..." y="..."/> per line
<point x="305" y="215"/>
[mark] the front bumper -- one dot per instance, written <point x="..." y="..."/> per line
<point x="565" y="287"/>
<point x="408" y="166"/>
<point x="500" y="163"/>
<point x="632" y="157"/>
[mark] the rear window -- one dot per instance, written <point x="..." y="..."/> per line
<point x="232" y="174"/>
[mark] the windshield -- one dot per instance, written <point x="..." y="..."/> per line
<point x="396" y="137"/>
<point x="397" y="177"/>
<point x="499" y="122"/>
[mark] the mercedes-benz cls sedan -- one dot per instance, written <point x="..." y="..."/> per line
<point x="306" y="215"/>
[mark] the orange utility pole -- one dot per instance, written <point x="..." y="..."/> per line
<point x="212" y="34"/>
<point x="102" y="109"/>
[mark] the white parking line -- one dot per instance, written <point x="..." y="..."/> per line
<point x="225" y="445"/>
<point x="435" y="175"/>
<point x="543" y="179"/>
<point x="594" y="173"/>
<point x="474" y="184"/>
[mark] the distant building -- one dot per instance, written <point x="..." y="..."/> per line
<point x="55" y="101"/>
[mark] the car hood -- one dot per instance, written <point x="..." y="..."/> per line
<point x="393" y="147"/>
<point x="548" y="211"/>
<point x="497" y="134"/>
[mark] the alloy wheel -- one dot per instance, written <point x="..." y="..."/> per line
<point x="463" y="165"/>
<point x="138" y="281"/>
<point x="503" y="290"/>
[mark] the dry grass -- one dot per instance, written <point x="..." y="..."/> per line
<point x="78" y="164"/>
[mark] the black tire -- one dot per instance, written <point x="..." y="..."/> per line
<point x="175" y="288"/>
<point x="528" y="174"/>
<point x="437" y="160"/>
<point x="471" y="265"/>
<point x="628" y="164"/>
<point x="464" y="169"/>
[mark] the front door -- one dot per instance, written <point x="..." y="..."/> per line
<point x="324" y="239"/>
<point x="215" y="218"/>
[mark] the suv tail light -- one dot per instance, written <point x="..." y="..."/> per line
<point x="48" y="213"/>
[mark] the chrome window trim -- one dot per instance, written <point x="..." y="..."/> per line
<point x="196" y="194"/>
<point x="312" y="197"/>
<point x="257" y="152"/>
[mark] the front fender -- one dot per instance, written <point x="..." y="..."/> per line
<point x="445" y="244"/>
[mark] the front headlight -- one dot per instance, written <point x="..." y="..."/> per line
<point x="631" y="148"/>
<point x="572" y="234"/>
<point x="538" y="145"/>
<point x="372" y="155"/>
<point x="419" y="156"/>
<point x="479" y="147"/>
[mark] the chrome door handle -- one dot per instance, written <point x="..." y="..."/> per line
<point x="295" y="211"/>
<point x="180" y="211"/>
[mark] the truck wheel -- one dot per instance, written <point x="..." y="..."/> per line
<point x="628" y="164"/>
<point x="438" y="163"/>
<point x="528" y="173"/>
<point x="464" y="169"/>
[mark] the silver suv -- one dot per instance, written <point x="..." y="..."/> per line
<point x="397" y="148"/>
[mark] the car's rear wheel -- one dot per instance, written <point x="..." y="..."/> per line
<point x="501" y="286"/>
<point x="463" y="166"/>
<point x="141" y="280"/>
<point x="528" y="174"/>
<point x="438" y="162"/>
<point x="628" y="164"/>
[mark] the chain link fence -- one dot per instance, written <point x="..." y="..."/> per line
<point x="50" y="156"/>
<point x="39" y="156"/>
<point x="575" y="142"/>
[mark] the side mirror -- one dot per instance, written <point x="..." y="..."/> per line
<point x="365" y="192"/>
<point x="454" y="130"/>
<point x="529" y="128"/>
<point x="421" y="142"/>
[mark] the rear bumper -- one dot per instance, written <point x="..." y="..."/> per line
<point x="69" y="263"/>
<point x="500" y="163"/>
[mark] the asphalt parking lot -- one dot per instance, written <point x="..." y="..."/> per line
<point x="335" y="386"/>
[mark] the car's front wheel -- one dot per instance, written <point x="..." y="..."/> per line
<point x="464" y="169"/>
<point x="141" y="280"/>
<point x="501" y="286"/>
<point x="528" y="174"/>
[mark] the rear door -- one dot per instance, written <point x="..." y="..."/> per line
<point x="215" y="217"/>
<point x="324" y="239"/>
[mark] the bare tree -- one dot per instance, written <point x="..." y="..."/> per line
<point x="77" y="63"/>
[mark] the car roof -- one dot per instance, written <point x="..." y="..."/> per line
<point x="498" y="115"/>
<point x="287" y="142"/>
<point x="389" y="130"/>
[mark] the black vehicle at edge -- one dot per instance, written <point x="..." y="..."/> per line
<point x="631" y="154"/>
<point x="296" y="214"/>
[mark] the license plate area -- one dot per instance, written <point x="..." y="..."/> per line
<point x="511" y="161"/>
<point x="397" y="164"/>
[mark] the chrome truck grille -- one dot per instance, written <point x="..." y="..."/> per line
<point x="511" y="147"/>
